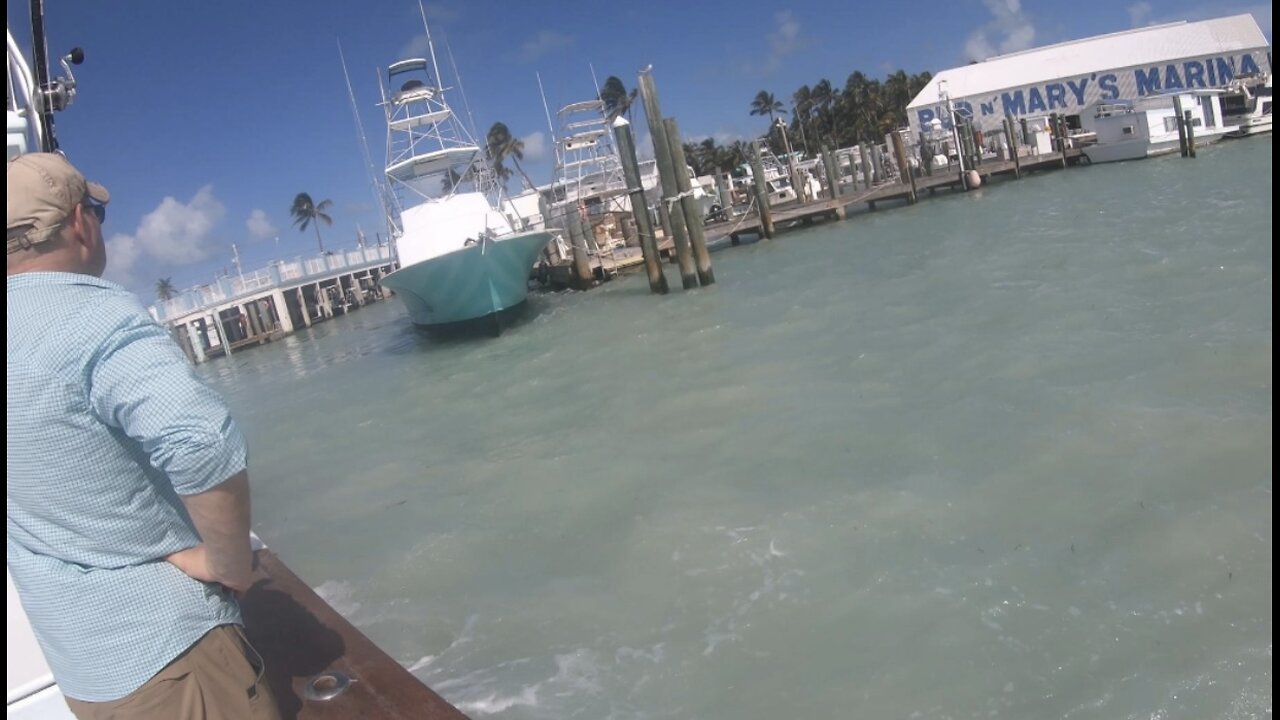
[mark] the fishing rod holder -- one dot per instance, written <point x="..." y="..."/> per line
<point x="59" y="93"/>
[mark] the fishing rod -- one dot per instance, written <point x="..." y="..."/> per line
<point x="50" y="95"/>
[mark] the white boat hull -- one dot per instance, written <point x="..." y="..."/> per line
<point x="1251" y="126"/>
<point x="1140" y="148"/>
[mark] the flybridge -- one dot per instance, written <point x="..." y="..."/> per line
<point x="1072" y="95"/>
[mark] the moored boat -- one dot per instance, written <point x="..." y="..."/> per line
<point x="1148" y="127"/>
<point x="461" y="259"/>
<point x="1246" y="103"/>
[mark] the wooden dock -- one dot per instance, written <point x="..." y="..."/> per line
<point x="801" y="214"/>
<point x="605" y="265"/>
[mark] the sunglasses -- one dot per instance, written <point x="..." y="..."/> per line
<point x="99" y="210"/>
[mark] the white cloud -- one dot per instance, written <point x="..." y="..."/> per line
<point x="535" y="146"/>
<point x="784" y="40"/>
<point x="122" y="253"/>
<point x="173" y="234"/>
<point x="417" y="47"/>
<point x="1139" y="13"/>
<point x="259" y="225"/>
<point x="1009" y="30"/>
<point x="545" y="42"/>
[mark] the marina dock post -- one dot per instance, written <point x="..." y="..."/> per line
<point x="833" y="177"/>
<point x="578" y="242"/>
<point x="726" y="197"/>
<point x="693" y="219"/>
<point x="904" y="169"/>
<point x="1013" y="147"/>
<point x="762" y="191"/>
<point x="866" y="165"/>
<point x="1191" y="133"/>
<point x="667" y="176"/>
<point x="926" y="159"/>
<point x="1180" y="121"/>
<point x="639" y="210"/>
<point x="1064" y="138"/>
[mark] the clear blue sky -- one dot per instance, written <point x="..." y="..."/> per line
<point x="206" y="118"/>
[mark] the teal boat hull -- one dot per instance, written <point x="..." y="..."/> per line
<point x="471" y="283"/>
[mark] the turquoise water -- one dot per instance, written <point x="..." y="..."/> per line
<point x="1005" y="454"/>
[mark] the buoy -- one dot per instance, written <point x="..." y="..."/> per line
<point x="975" y="180"/>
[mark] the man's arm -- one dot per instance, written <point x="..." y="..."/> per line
<point x="221" y="515"/>
<point x="142" y="384"/>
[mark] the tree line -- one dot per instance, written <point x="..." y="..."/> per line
<point x="863" y="111"/>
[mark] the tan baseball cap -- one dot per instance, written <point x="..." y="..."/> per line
<point x="43" y="190"/>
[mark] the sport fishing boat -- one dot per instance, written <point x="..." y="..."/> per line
<point x="318" y="664"/>
<point x="1246" y="103"/>
<point x="461" y="259"/>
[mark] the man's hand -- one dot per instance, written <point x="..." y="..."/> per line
<point x="194" y="562"/>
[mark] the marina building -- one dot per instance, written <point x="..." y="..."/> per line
<point x="1068" y="77"/>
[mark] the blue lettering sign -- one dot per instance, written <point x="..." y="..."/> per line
<point x="924" y="117"/>
<point x="1078" y="90"/>
<point x="1193" y="71"/>
<point x="988" y="108"/>
<point x="1172" y="80"/>
<point x="1014" y="103"/>
<point x="1226" y="69"/>
<point x="1248" y="65"/>
<point x="1107" y="84"/>
<point x="1148" y="81"/>
<point x="1057" y="94"/>
<point x="964" y="109"/>
<point x="1035" y="103"/>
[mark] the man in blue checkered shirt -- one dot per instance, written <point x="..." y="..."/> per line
<point x="127" y="493"/>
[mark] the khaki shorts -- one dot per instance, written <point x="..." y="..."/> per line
<point x="219" y="678"/>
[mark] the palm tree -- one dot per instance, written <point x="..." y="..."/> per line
<point x="802" y="101"/>
<point x="502" y="145"/>
<point x="307" y="212"/>
<point x="617" y="101"/>
<point x="823" y="96"/>
<point x="165" y="289"/>
<point x="766" y="104"/>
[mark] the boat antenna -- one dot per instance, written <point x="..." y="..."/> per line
<point x="430" y="45"/>
<point x="462" y="90"/>
<point x="547" y="110"/>
<point x="379" y="197"/>
<point x="594" y="80"/>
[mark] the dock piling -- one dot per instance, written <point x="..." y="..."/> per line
<point x="640" y="211"/>
<point x="692" y="217"/>
<point x="762" y="191"/>
<point x="1013" y="147"/>
<point x="1191" y="133"/>
<point x="904" y="169"/>
<point x="667" y="176"/>
<point x="1180" y="121"/>
<point x="833" y="175"/>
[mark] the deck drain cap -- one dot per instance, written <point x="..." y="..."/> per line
<point x="327" y="686"/>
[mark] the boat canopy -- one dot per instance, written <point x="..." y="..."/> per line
<point x="404" y="66"/>
<point x="431" y="163"/>
<point x="413" y="121"/>
<point x="582" y="140"/>
<point x="582" y="106"/>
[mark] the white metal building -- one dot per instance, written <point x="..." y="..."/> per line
<point x="1067" y="77"/>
